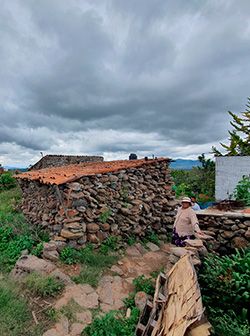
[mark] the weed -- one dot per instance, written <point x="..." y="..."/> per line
<point x="131" y="240"/>
<point x="43" y="286"/>
<point x="14" y="312"/>
<point x="144" y="284"/>
<point x="110" y="244"/>
<point x="89" y="275"/>
<point x="69" y="255"/>
<point x="37" y="251"/>
<point x="7" y="181"/>
<point x="113" y="323"/>
<point x="70" y="309"/>
<point x="52" y="314"/>
<point x="104" y="216"/>
<point x="155" y="274"/>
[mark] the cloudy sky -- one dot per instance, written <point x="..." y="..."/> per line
<point x="112" y="77"/>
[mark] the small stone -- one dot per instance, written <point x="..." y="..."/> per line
<point x="76" y="329"/>
<point x="70" y="235"/>
<point x="194" y="243"/>
<point x="153" y="247"/>
<point x="141" y="300"/>
<point x="117" y="270"/>
<point x="105" y="227"/>
<point x="93" y="228"/>
<point x="75" y="186"/>
<point x="92" y="238"/>
<point x="234" y="227"/>
<point x="239" y="242"/>
<point x="247" y="234"/>
<point x="84" y="317"/>
<point x="178" y="251"/>
<point x="132" y="251"/>
<point x="51" y="255"/>
<point x="228" y="234"/>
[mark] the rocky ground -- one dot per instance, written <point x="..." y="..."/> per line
<point x="85" y="302"/>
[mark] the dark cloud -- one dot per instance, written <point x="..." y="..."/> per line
<point x="109" y="77"/>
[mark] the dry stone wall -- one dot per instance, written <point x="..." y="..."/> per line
<point x="127" y="202"/>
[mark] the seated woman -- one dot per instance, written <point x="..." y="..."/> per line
<point x="186" y="223"/>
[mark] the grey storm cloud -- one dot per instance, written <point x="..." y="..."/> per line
<point x="103" y="76"/>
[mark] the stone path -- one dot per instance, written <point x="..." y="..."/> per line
<point x="112" y="288"/>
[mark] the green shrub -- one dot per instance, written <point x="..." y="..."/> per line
<point x="7" y="181"/>
<point x="113" y="323"/>
<point x="242" y="190"/>
<point x="89" y="274"/>
<point x="228" y="323"/>
<point x="225" y="280"/>
<point x="144" y="284"/>
<point x="37" y="250"/>
<point x="69" y="255"/>
<point x="11" y="246"/>
<point x="43" y="285"/>
<point x="110" y="244"/>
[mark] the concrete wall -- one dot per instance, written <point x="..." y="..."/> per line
<point x="229" y="171"/>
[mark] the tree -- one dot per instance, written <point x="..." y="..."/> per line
<point x="239" y="137"/>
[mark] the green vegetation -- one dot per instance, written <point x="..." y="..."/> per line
<point x="43" y="286"/>
<point x="242" y="190"/>
<point x="143" y="284"/>
<point x="7" y="181"/>
<point x="239" y="137"/>
<point x="113" y="323"/>
<point x="226" y="292"/>
<point x="199" y="181"/>
<point x="104" y="216"/>
<point x="15" y="314"/>
<point x="93" y="262"/>
<point x="15" y="233"/>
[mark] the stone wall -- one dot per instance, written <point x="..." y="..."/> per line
<point x="230" y="230"/>
<point x="63" y="160"/>
<point x="127" y="202"/>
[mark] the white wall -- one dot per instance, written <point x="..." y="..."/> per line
<point x="229" y="171"/>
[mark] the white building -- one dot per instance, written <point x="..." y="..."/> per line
<point x="229" y="171"/>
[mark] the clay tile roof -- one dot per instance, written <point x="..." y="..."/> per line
<point x="64" y="174"/>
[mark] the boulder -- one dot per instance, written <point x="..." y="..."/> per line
<point x="29" y="263"/>
<point x="141" y="300"/>
<point x="152" y="247"/>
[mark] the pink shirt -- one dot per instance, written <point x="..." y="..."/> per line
<point x="186" y="222"/>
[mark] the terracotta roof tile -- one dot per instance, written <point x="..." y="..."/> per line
<point x="64" y="174"/>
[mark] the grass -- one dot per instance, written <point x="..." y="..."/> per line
<point x="15" y="316"/>
<point x="94" y="262"/>
<point x="15" y="233"/>
<point x="43" y="286"/>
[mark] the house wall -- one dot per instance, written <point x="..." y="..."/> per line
<point x="229" y="171"/>
<point x="124" y="203"/>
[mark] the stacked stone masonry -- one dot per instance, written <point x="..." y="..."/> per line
<point x="63" y="160"/>
<point x="122" y="203"/>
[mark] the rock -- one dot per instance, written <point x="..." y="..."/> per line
<point x="84" y="317"/>
<point x="70" y="235"/>
<point x="105" y="227"/>
<point x="93" y="228"/>
<point x="197" y="243"/>
<point x="51" y="255"/>
<point x="132" y="251"/>
<point x="84" y="295"/>
<point x="173" y="259"/>
<point x="62" y="276"/>
<point x="141" y="300"/>
<point x="25" y="252"/>
<point x="234" y="227"/>
<point x="75" y="186"/>
<point x="228" y="234"/>
<point x="153" y="247"/>
<point x="117" y="270"/>
<point x="247" y="234"/>
<point x="29" y="263"/>
<point x="92" y="238"/>
<point x="76" y="329"/>
<point x="178" y="251"/>
<point x="239" y="242"/>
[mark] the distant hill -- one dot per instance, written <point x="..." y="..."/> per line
<point x="184" y="164"/>
<point x="15" y="168"/>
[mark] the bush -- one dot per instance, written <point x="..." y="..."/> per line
<point x="7" y="181"/>
<point x="226" y="292"/>
<point x="144" y="284"/>
<point x="225" y="280"/>
<point x="43" y="286"/>
<point x="113" y="323"/>
<point x="242" y="190"/>
<point x="11" y="246"/>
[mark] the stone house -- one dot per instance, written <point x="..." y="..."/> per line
<point x="63" y="160"/>
<point x="87" y="202"/>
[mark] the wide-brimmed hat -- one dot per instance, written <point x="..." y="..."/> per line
<point x="186" y="199"/>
